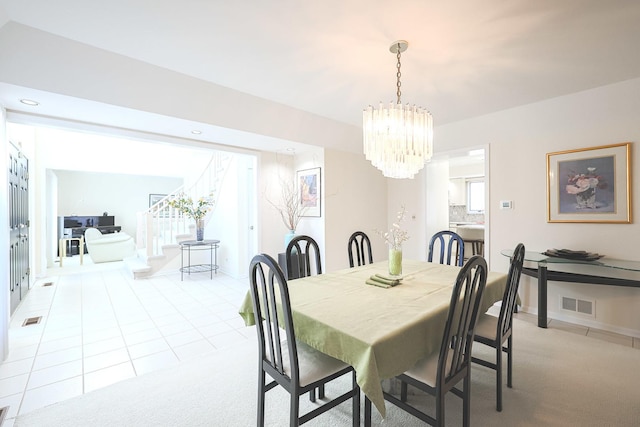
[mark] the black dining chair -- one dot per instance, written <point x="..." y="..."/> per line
<point x="494" y="331"/>
<point x="441" y="372"/>
<point x="360" y="244"/>
<point x="295" y="366"/>
<point x="302" y="257"/>
<point x="451" y="248"/>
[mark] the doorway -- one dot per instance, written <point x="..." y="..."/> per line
<point x="162" y="163"/>
<point x="455" y="181"/>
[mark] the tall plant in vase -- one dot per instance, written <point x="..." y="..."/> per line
<point x="195" y="209"/>
<point x="394" y="238"/>
<point x="290" y="208"/>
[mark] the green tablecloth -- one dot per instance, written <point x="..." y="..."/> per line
<point x="381" y="332"/>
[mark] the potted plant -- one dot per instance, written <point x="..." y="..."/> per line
<point x="195" y="209"/>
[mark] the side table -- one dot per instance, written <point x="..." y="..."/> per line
<point x="188" y="246"/>
<point x="62" y="247"/>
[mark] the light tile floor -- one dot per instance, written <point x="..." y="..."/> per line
<point x="100" y="326"/>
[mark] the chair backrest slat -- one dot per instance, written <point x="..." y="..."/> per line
<point x="451" y="248"/>
<point x="505" y="319"/>
<point x="455" y="350"/>
<point x="362" y="245"/>
<point x="266" y="334"/>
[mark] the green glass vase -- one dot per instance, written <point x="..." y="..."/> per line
<point x="395" y="261"/>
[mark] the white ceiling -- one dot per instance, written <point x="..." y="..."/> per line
<point x="331" y="57"/>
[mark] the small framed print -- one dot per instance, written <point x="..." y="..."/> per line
<point x="155" y="198"/>
<point x="309" y="191"/>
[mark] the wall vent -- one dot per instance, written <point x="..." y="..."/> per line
<point x="3" y="414"/>
<point x="31" y="321"/>
<point x="578" y="305"/>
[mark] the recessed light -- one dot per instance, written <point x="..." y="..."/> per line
<point x="290" y="149"/>
<point x="196" y="132"/>
<point x="30" y="102"/>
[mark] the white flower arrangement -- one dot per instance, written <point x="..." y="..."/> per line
<point x="195" y="209"/>
<point x="395" y="236"/>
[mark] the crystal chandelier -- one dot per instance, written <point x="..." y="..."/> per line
<point x="398" y="139"/>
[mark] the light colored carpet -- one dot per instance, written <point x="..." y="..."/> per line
<point x="560" y="379"/>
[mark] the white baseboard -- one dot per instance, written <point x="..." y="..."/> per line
<point x="584" y="321"/>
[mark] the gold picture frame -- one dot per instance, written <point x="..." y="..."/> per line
<point x="590" y="185"/>
<point x="309" y="185"/>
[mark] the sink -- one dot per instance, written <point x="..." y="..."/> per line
<point x="471" y="232"/>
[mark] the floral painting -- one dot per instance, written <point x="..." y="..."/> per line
<point x="590" y="184"/>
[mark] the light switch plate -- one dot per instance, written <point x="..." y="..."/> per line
<point x="506" y="204"/>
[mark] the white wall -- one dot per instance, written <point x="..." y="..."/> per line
<point x="91" y="193"/>
<point x="410" y="193"/>
<point x="230" y="220"/>
<point x="437" y="204"/>
<point x="355" y="199"/>
<point x="272" y="169"/>
<point x="519" y="139"/>
<point x="51" y="222"/>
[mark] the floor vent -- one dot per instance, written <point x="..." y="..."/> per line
<point x="31" y="321"/>
<point x="577" y="305"/>
<point x="3" y="414"/>
<point x="47" y="284"/>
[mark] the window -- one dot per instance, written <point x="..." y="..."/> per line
<point x="475" y="196"/>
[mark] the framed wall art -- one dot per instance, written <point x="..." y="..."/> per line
<point x="309" y="190"/>
<point x="155" y="198"/>
<point x="590" y="184"/>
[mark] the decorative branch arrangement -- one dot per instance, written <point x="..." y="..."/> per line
<point x="290" y="207"/>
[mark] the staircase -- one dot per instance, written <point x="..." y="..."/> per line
<point x="161" y="227"/>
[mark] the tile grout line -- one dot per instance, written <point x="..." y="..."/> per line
<point x="47" y="317"/>
<point x="115" y="314"/>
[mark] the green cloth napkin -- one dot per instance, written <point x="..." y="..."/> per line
<point x="386" y="279"/>
<point x="383" y="282"/>
<point x="379" y="284"/>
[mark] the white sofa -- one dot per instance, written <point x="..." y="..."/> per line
<point x="108" y="247"/>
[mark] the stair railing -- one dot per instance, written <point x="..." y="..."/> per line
<point x="161" y="224"/>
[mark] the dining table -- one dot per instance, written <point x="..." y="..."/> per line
<point x="380" y="331"/>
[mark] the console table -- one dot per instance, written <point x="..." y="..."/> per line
<point x="203" y="245"/>
<point x="604" y="271"/>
